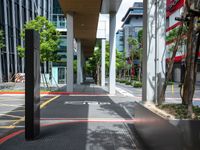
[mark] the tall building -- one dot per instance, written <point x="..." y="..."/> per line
<point x="59" y="68"/>
<point x="133" y="23"/>
<point x="120" y="40"/>
<point x="13" y="15"/>
<point x="175" y="9"/>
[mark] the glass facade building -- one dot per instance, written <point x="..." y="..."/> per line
<point x="120" y="40"/>
<point x="13" y="15"/>
<point x="133" y="23"/>
<point x="59" y="68"/>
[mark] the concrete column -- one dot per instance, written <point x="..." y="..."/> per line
<point x="49" y="9"/>
<point x="14" y="38"/>
<point x="70" y="52"/>
<point x="6" y="39"/>
<point x="112" y="70"/>
<point x="21" y="27"/>
<point x="44" y="8"/>
<point x="38" y="6"/>
<point x="33" y="9"/>
<point x="79" y="63"/>
<point x="154" y="48"/>
<point x="27" y="11"/>
<point x="83" y="64"/>
<point x="103" y="57"/>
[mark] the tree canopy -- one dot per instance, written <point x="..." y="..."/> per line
<point x="49" y="38"/>
<point x="95" y="59"/>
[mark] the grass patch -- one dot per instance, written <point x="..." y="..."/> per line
<point x="180" y="111"/>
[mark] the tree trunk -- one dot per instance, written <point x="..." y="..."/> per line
<point x="191" y="66"/>
<point x="98" y="74"/>
<point x="124" y="76"/>
<point x="170" y="67"/>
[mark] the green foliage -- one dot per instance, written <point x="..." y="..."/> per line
<point x="120" y="60"/>
<point x="122" y="81"/>
<point x="49" y="38"/>
<point x="91" y="63"/>
<point x="180" y="111"/>
<point x="135" y="48"/>
<point x="1" y="39"/>
<point x="128" y="82"/>
<point x="137" y="84"/>
<point x="140" y="36"/>
<point x="75" y="66"/>
<point x="170" y="83"/>
<point x="173" y="35"/>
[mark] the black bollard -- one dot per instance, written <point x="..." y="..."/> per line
<point x="32" y="84"/>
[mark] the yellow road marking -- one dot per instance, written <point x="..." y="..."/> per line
<point x="172" y="89"/>
<point x="18" y="121"/>
<point x="23" y="118"/>
<point x="47" y="102"/>
<point x="7" y="127"/>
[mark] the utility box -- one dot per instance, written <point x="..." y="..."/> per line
<point x="32" y="84"/>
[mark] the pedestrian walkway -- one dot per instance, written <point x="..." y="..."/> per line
<point x="80" y="122"/>
<point x="172" y="94"/>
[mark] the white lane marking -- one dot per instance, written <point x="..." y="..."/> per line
<point x="9" y="105"/>
<point x="125" y="93"/>
<point x="86" y="103"/>
<point x="89" y="95"/>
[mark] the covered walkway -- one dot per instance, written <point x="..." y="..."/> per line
<point x="92" y="119"/>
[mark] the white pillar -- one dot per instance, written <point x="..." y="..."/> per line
<point x="154" y="48"/>
<point x="21" y="27"/>
<point x="83" y="64"/>
<point x="7" y="40"/>
<point x="14" y="38"/>
<point x="112" y="70"/>
<point x="103" y="56"/>
<point x="79" y="63"/>
<point x="70" y="53"/>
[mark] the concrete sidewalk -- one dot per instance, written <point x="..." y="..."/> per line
<point x="172" y="93"/>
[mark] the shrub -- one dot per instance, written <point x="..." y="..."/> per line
<point x="122" y="81"/>
<point x="170" y="83"/>
<point x="128" y="83"/>
<point x="118" y="80"/>
<point x="137" y="84"/>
